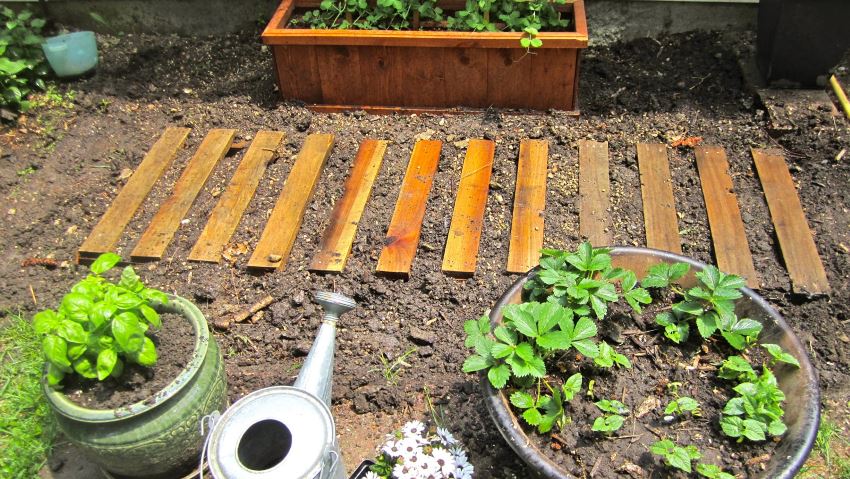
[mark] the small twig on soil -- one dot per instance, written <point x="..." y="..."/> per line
<point x="758" y="459"/>
<point x="224" y="323"/>
<point x="654" y="431"/>
<point x="647" y="351"/>
<point x="700" y="81"/>
<point x="595" y="467"/>
<point x="630" y="436"/>
<point x="32" y="293"/>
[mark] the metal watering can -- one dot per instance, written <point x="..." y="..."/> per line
<point x="286" y="432"/>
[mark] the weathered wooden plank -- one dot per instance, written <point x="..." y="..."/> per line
<point x="529" y="205"/>
<point x="406" y="224"/>
<point x="277" y="239"/>
<point x="107" y="232"/>
<point x="338" y="237"/>
<point x="461" y="253"/>
<point x="226" y="215"/>
<point x="594" y="188"/>
<point x="164" y="224"/>
<point x="659" y="207"/>
<point x="731" y="249"/>
<point x="795" y="237"/>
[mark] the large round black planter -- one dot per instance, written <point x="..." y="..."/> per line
<point x="800" y="385"/>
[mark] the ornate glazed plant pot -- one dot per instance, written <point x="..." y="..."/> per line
<point x="160" y="436"/>
<point x="800" y="385"/>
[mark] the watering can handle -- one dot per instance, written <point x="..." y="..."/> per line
<point x="333" y="464"/>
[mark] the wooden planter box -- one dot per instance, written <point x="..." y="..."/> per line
<point x="382" y="70"/>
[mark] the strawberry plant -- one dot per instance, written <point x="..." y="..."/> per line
<point x="676" y="456"/>
<point x="613" y="420"/>
<point x="682" y="405"/>
<point x="712" y="472"/>
<point x="553" y="406"/>
<point x="100" y="325"/>
<point x="710" y="306"/>
<point x="757" y="410"/>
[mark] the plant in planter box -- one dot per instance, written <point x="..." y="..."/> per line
<point x="705" y="317"/>
<point x="98" y="329"/>
<point x="400" y="55"/>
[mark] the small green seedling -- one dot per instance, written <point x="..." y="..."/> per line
<point x="736" y="368"/>
<point x="676" y="456"/>
<point x="682" y="405"/>
<point x="391" y="369"/>
<point x="756" y="411"/>
<point x="712" y="472"/>
<point x="609" y="423"/>
<point x="779" y="355"/>
<point x="553" y="410"/>
<point x="608" y="357"/>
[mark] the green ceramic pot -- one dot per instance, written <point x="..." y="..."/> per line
<point x="160" y="436"/>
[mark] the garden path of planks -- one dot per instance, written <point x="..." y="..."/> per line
<point x="460" y="255"/>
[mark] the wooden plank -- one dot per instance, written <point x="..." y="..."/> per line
<point x="164" y="224"/>
<point x="659" y="207"/>
<point x="594" y="188"/>
<point x="529" y="205"/>
<point x="279" y="235"/>
<point x="338" y="237"/>
<point x="406" y="224"/>
<point x="105" y="235"/>
<point x="228" y="212"/>
<point x="731" y="249"/>
<point x="461" y="252"/>
<point x="795" y="237"/>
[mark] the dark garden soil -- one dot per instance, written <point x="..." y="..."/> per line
<point x="57" y="182"/>
<point x="174" y="346"/>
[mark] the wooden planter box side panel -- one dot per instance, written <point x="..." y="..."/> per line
<point x="386" y="72"/>
<point x="479" y="78"/>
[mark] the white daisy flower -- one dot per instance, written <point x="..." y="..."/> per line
<point x="392" y="449"/>
<point x="372" y="475"/>
<point x="445" y="436"/>
<point x="444" y="459"/>
<point x="413" y="428"/>
<point x="409" y="448"/>
<point x="459" y="454"/>
<point x="464" y="472"/>
<point x="405" y="471"/>
<point x="428" y="467"/>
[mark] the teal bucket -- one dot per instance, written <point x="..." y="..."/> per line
<point x="71" y="54"/>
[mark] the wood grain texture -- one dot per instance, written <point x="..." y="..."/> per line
<point x="414" y="70"/>
<point x="795" y="237"/>
<point x="335" y="245"/>
<point x="594" y="189"/>
<point x="279" y="235"/>
<point x="164" y="224"/>
<point x="406" y="224"/>
<point x="659" y="207"/>
<point x="731" y="249"/>
<point x="105" y="235"/>
<point x="228" y="211"/>
<point x="529" y="206"/>
<point x="461" y="253"/>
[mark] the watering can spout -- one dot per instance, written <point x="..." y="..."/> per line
<point x="317" y="372"/>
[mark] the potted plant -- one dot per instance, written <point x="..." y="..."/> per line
<point x="104" y="334"/>
<point x="685" y="369"/>
<point x="407" y="55"/>
<point x="416" y="451"/>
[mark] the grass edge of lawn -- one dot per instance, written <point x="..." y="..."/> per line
<point x="27" y="428"/>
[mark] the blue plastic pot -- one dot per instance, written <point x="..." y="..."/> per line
<point x="71" y="54"/>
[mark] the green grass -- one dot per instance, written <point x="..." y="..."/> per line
<point x="26" y="425"/>
<point x="831" y="457"/>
